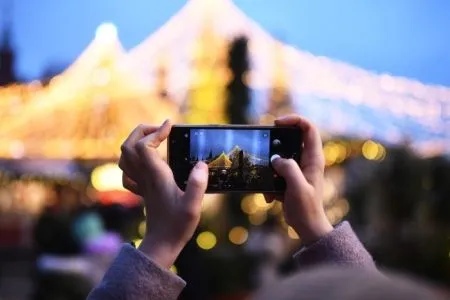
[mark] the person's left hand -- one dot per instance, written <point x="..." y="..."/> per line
<point x="172" y="215"/>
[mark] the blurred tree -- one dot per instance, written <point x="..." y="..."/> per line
<point x="7" y="55"/>
<point x="238" y="93"/>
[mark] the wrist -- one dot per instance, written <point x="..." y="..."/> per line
<point x="160" y="251"/>
<point x="314" y="231"/>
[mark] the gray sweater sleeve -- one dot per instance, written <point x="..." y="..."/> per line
<point x="132" y="275"/>
<point x="339" y="247"/>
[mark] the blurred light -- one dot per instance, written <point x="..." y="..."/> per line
<point x="260" y="202"/>
<point x="144" y="212"/>
<point x="370" y="150"/>
<point x="331" y="216"/>
<point x="276" y="208"/>
<point x="331" y="152"/>
<point x="142" y="228"/>
<point x="373" y="151"/>
<point x="257" y="218"/>
<point x="292" y="234"/>
<point x="211" y="204"/>
<point x="248" y="205"/>
<point x="329" y="190"/>
<point x="106" y="33"/>
<point x="174" y="269"/>
<point x="107" y="178"/>
<point x="206" y="240"/>
<point x="101" y="77"/>
<point x="341" y="152"/>
<point x="238" y="235"/>
<point x="344" y="206"/>
<point x="137" y="242"/>
<point x="17" y="149"/>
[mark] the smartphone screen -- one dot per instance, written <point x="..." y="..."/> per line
<point x="238" y="157"/>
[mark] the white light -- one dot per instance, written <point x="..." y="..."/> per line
<point x="106" y="33"/>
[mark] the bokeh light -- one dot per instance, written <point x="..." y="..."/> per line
<point x="238" y="235"/>
<point x="206" y="240"/>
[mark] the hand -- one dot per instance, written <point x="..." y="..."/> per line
<point x="172" y="215"/>
<point x="302" y="200"/>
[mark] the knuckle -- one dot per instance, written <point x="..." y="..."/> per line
<point x="125" y="149"/>
<point x="141" y="145"/>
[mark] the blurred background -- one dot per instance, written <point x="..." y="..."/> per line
<point x="77" y="76"/>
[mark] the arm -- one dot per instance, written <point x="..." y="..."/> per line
<point x="303" y="207"/>
<point x="171" y="219"/>
<point x="340" y="246"/>
<point x="133" y="275"/>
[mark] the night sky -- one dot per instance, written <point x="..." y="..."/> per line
<point x="402" y="37"/>
<point x="255" y="142"/>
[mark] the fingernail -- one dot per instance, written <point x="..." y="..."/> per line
<point x="165" y="122"/>
<point x="273" y="157"/>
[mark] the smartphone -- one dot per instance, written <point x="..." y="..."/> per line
<point x="238" y="156"/>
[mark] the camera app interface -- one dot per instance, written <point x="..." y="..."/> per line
<point x="238" y="159"/>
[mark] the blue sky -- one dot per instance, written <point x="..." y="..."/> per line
<point x="256" y="142"/>
<point x="402" y="37"/>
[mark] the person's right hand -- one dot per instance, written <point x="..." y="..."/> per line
<point x="302" y="200"/>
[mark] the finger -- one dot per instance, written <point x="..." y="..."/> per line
<point x="289" y="170"/>
<point x="273" y="197"/>
<point x="129" y="166"/>
<point x="130" y="184"/>
<point x="312" y="160"/>
<point x="128" y="147"/>
<point x="146" y="148"/>
<point x="195" y="188"/>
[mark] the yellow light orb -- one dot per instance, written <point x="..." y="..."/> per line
<point x="370" y="150"/>
<point x="257" y="218"/>
<point x="260" y="202"/>
<point x="292" y="234"/>
<point x="206" y="240"/>
<point x="341" y="152"/>
<point x="276" y="208"/>
<point x="142" y="228"/>
<point x="238" y="235"/>
<point x="331" y="153"/>
<point x="248" y="205"/>
<point x="107" y="178"/>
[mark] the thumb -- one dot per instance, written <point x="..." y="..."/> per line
<point x="289" y="170"/>
<point x="196" y="186"/>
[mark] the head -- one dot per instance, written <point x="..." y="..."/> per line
<point x="332" y="282"/>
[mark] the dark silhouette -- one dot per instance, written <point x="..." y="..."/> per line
<point x="238" y="91"/>
<point x="7" y="58"/>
